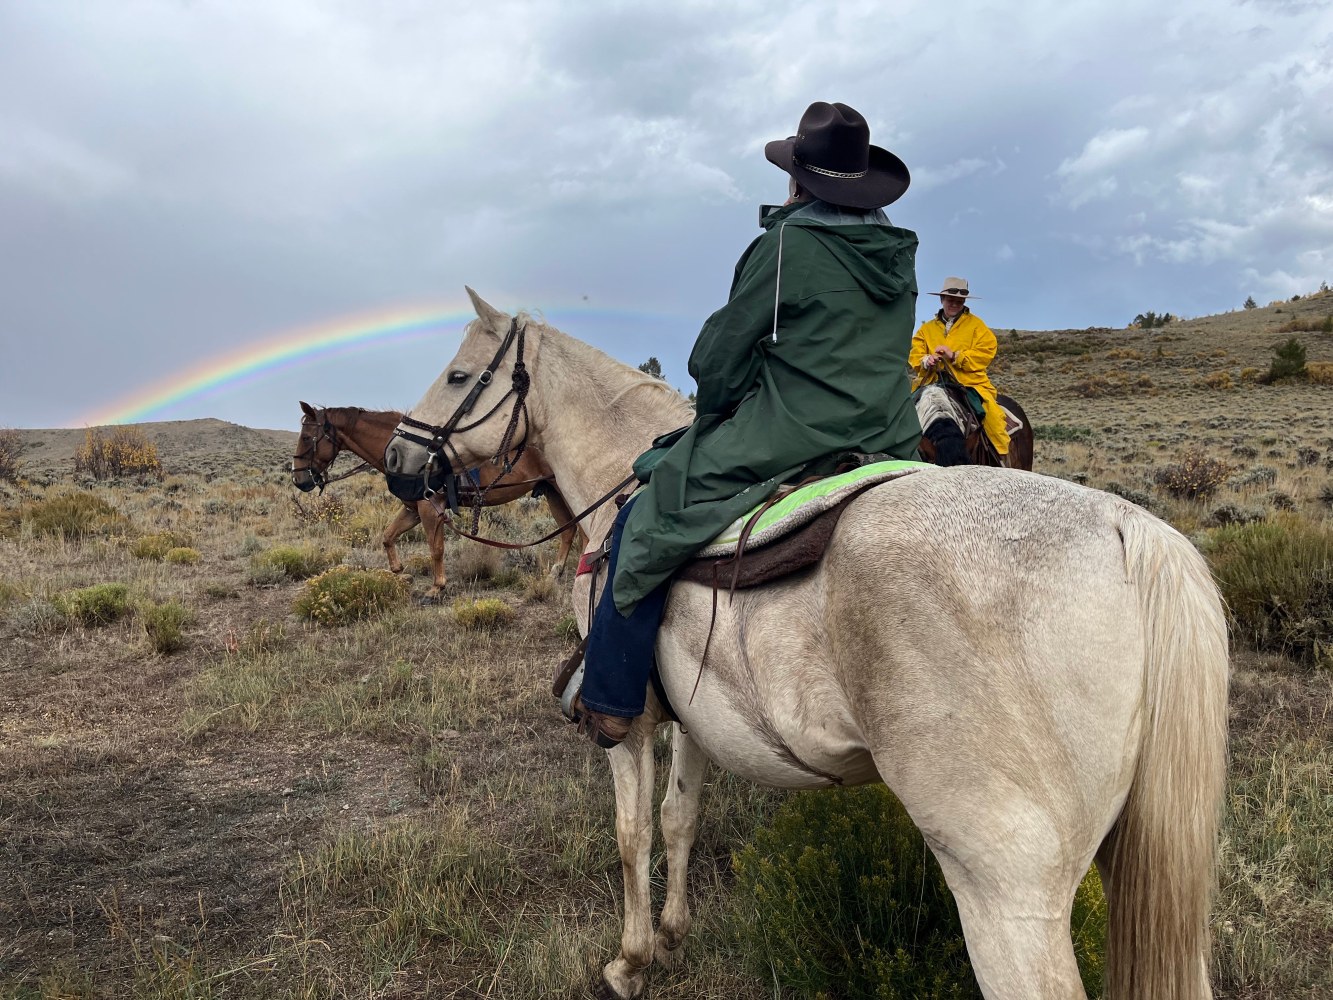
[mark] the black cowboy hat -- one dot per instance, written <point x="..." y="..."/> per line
<point x="831" y="157"/>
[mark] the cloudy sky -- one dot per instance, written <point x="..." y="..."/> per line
<point x="192" y="180"/>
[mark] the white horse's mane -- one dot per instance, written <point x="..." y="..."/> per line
<point x="607" y="373"/>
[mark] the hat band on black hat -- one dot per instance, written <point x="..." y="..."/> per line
<point x="829" y="173"/>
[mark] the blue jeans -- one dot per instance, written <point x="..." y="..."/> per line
<point x="620" y="647"/>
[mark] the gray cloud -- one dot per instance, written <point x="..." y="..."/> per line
<point x="183" y="180"/>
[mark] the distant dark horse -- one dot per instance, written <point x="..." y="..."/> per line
<point x="366" y="433"/>
<point x="952" y="434"/>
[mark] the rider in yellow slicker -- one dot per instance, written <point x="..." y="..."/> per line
<point x="957" y="336"/>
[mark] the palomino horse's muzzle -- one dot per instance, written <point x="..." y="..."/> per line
<point x="436" y="478"/>
<point x="437" y="472"/>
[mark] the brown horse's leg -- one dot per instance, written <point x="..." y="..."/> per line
<point x="562" y="514"/>
<point x="430" y="524"/>
<point x="406" y="520"/>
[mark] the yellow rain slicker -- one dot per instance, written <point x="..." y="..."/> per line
<point x="974" y="344"/>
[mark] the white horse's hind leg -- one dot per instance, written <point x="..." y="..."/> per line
<point x="680" y="817"/>
<point x="632" y="772"/>
<point x="1017" y="929"/>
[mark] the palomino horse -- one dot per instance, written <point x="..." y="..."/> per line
<point x="1046" y="688"/>
<point x="365" y="433"/>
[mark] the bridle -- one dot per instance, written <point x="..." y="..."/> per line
<point x="439" y="450"/>
<point x="438" y="447"/>
<point x="327" y="432"/>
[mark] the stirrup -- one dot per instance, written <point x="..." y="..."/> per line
<point x="570" y="694"/>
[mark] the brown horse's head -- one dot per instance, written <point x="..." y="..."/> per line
<point x="316" y="449"/>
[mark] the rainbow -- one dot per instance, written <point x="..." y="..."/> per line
<point x="346" y="335"/>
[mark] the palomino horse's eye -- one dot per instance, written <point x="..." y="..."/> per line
<point x="458" y="378"/>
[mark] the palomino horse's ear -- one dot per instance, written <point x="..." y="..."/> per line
<point x="310" y="410"/>
<point x="491" y="316"/>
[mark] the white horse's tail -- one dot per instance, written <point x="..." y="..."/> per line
<point x="1162" y="849"/>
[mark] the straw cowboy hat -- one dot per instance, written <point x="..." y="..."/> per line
<point x="956" y="288"/>
<point x="831" y="157"/>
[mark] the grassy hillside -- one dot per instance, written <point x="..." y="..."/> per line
<point x="204" y="446"/>
<point x="204" y="794"/>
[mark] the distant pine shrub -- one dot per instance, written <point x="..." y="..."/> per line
<point x="1288" y="361"/>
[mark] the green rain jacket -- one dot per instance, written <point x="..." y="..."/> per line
<point x="806" y="361"/>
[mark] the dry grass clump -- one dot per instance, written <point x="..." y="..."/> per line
<point x="183" y="555"/>
<point x="1312" y="325"/>
<point x="100" y="604"/>
<point x="1112" y="383"/>
<point x="164" y="624"/>
<point x="484" y="615"/>
<point x="155" y="547"/>
<point x="1277" y="579"/>
<point x="1195" y="477"/>
<point x="1215" y="380"/>
<point x="475" y="563"/>
<point x="290" y="562"/>
<point x="74" y="516"/>
<point x="1319" y="372"/>
<point x="342" y="595"/>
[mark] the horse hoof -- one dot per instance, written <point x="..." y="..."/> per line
<point x="665" y="955"/>
<point x="429" y="600"/>
<point x="602" y="990"/>
<point x="620" y="981"/>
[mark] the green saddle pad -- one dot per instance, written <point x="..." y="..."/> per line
<point x="802" y="505"/>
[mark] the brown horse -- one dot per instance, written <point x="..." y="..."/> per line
<point x="326" y="431"/>
<point x="960" y="440"/>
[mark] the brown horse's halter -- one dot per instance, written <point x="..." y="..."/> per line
<point x="327" y="432"/>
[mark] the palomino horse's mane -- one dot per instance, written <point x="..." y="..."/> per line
<point x="607" y="379"/>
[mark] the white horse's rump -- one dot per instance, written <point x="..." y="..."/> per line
<point x="1037" y="670"/>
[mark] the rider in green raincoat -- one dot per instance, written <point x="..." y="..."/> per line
<point x="805" y="362"/>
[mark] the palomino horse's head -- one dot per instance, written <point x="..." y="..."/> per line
<point x="316" y="449"/>
<point x="475" y="412"/>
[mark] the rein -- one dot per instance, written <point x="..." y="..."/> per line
<point x="437" y="445"/>
<point x="444" y="518"/>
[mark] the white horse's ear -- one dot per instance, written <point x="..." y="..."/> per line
<point x="491" y="316"/>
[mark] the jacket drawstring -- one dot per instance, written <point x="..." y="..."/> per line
<point x="777" y="284"/>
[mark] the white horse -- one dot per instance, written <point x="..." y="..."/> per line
<point x="1037" y="670"/>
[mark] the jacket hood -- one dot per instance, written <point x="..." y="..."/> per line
<point x="879" y="256"/>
